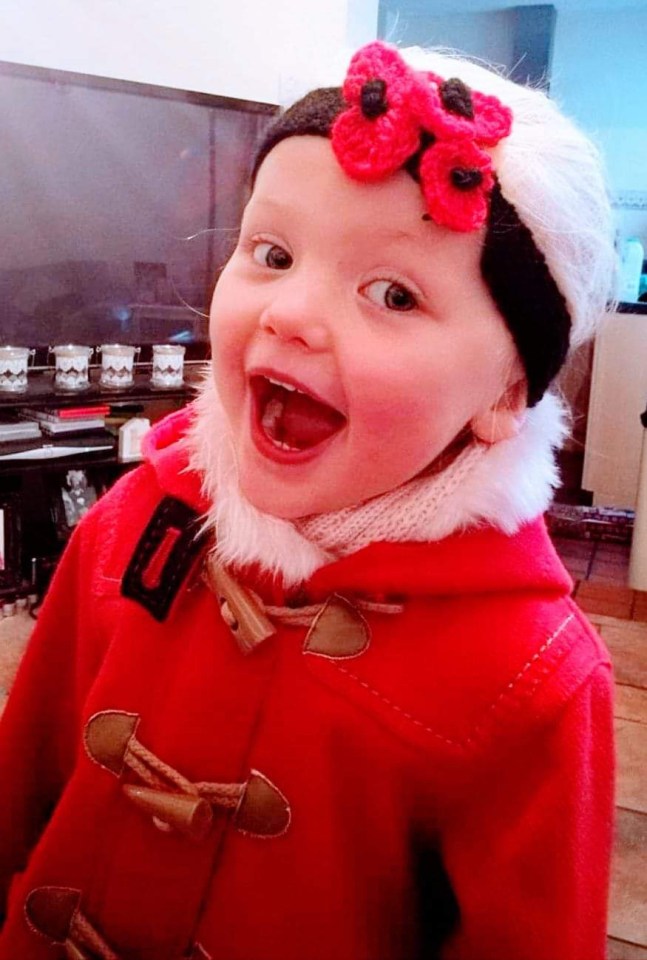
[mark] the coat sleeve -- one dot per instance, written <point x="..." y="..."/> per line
<point x="38" y="739"/>
<point x="528" y="853"/>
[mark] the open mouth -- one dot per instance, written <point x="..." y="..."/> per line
<point x="291" y="419"/>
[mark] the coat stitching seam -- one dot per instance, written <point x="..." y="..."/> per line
<point x="470" y="739"/>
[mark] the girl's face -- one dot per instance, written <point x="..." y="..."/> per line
<point x="353" y="339"/>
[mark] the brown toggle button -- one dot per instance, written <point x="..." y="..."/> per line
<point x="54" y="913"/>
<point x="107" y="736"/>
<point x="190" y="815"/>
<point x="263" y="810"/>
<point x="228" y="616"/>
<point x="258" y="807"/>
<point x="241" y="610"/>
<point x="339" y="630"/>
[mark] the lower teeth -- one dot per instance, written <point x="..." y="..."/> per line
<point x="283" y="446"/>
<point x="271" y="416"/>
<point x="270" y="423"/>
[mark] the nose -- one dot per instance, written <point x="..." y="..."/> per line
<point x="297" y="313"/>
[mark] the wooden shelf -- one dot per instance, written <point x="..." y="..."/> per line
<point x="34" y="486"/>
<point x="96" y="457"/>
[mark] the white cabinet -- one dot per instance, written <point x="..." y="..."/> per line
<point x="618" y="397"/>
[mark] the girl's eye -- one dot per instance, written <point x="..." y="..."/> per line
<point x="393" y="296"/>
<point x="271" y="255"/>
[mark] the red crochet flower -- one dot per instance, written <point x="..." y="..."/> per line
<point x="450" y="109"/>
<point x="396" y="114"/>
<point x="380" y="129"/>
<point x="456" y="179"/>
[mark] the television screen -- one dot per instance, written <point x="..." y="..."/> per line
<point x="120" y="203"/>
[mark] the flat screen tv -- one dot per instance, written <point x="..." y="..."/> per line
<point x="119" y="204"/>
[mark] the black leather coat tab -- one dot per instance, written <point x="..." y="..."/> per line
<point x="163" y="557"/>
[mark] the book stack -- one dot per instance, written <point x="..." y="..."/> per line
<point x="590" y="523"/>
<point x="66" y="420"/>
<point x="12" y="429"/>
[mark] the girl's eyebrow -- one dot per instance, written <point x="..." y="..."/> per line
<point x="396" y="234"/>
<point x="399" y="234"/>
<point x="268" y="202"/>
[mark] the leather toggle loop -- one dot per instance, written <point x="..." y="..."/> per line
<point x="111" y="742"/>
<point x="241" y="609"/>
<point x="54" y="913"/>
<point x="338" y="631"/>
<point x="170" y="799"/>
<point x="166" y="553"/>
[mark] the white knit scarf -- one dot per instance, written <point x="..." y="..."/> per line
<point x="505" y="485"/>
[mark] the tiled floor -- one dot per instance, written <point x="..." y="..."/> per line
<point x="620" y="614"/>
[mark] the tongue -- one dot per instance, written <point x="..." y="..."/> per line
<point x="298" y="420"/>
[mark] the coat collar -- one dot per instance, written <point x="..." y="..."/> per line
<point x="507" y="488"/>
<point x="165" y="449"/>
<point x="482" y="560"/>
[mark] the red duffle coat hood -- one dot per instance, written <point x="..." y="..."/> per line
<point x="442" y="791"/>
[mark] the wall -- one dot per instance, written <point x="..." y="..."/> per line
<point x="487" y="35"/>
<point x="250" y="49"/>
<point x="600" y="77"/>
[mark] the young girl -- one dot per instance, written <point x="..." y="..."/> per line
<point x="309" y="685"/>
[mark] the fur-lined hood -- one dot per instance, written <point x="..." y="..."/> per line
<point x="505" y="486"/>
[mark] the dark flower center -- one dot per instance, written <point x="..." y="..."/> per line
<point x="465" y="179"/>
<point x="457" y="98"/>
<point x="373" y="99"/>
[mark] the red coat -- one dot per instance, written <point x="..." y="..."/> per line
<point x="446" y="790"/>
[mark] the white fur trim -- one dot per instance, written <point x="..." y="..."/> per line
<point x="514" y="482"/>
<point x="509" y="484"/>
<point x="244" y="535"/>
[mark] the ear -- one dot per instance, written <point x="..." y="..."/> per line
<point x="505" y="418"/>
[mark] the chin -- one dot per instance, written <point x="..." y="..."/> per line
<point x="294" y="499"/>
<point x="285" y="505"/>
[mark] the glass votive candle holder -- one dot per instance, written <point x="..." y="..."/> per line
<point x="13" y="368"/>
<point x="168" y="366"/>
<point x="117" y="365"/>
<point x="72" y="366"/>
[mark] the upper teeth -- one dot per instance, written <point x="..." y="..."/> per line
<point x="279" y="383"/>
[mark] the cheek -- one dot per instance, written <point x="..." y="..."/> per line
<point x="227" y="325"/>
<point x="410" y="410"/>
<point x="395" y="423"/>
<point x="405" y="398"/>
<point x="226" y="359"/>
<point x="215" y="323"/>
<point x="219" y="311"/>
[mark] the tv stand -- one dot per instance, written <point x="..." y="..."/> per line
<point x="33" y="472"/>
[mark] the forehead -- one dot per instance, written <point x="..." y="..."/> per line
<point x="300" y="180"/>
<point x="304" y="170"/>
